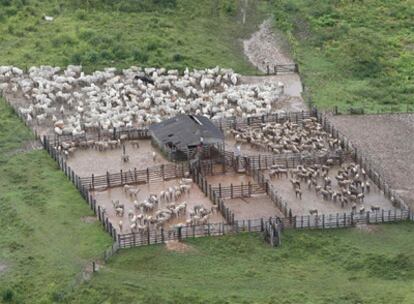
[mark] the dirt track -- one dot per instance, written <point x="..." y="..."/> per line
<point x="388" y="140"/>
<point x="268" y="48"/>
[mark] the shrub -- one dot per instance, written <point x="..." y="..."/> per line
<point x="140" y="56"/>
<point x="76" y="58"/>
<point x="92" y="57"/>
<point x="7" y="295"/>
<point x="177" y="57"/>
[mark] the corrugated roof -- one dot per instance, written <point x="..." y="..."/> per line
<point x="186" y="130"/>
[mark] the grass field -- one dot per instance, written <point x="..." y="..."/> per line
<point x="353" y="53"/>
<point x="343" y="267"/>
<point x="44" y="243"/>
<point x="96" y="34"/>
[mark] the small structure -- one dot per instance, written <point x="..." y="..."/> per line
<point x="185" y="136"/>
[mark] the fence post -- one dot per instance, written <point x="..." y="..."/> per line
<point x="148" y="179"/>
<point x="108" y="183"/>
<point x="231" y="190"/>
<point x="162" y="235"/>
<point x="261" y="225"/>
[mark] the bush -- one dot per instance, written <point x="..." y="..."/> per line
<point x="177" y="57"/>
<point x="7" y="295"/>
<point x="140" y="56"/>
<point x="76" y="58"/>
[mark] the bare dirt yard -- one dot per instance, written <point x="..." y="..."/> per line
<point x="229" y="178"/>
<point x="86" y="162"/>
<point x="194" y="197"/>
<point x="311" y="200"/>
<point x="255" y="207"/>
<point x="388" y="140"/>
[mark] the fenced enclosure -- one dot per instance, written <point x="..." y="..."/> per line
<point x="150" y="175"/>
<point x="257" y="120"/>
<point x="115" y="134"/>
<point x="330" y="221"/>
<point x="218" y="194"/>
<point x="365" y="162"/>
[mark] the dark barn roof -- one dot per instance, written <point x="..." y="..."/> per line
<point x="185" y="131"/>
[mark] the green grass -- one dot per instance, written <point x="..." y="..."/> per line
<point x="45" y="245"/>
<point x="96" y="34"/>
<point x="353" y="53"/>
<point x="339" y="266"/>
<point x="43" y="242"/>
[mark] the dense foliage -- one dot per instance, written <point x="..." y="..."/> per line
<point x="353" y="53"/>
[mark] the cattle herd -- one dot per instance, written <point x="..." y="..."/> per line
<point x="72" y="102"/>
<point x="307" y="136"/>
<point x="162" y="210"/>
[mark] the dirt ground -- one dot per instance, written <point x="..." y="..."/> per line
<point x="245" y="148"/>
<point x="388" y="140"/>
<point x="255" y="207"/>
<point x="86" y="162"/>
<point x="229" y="178"/>
<point x="3" y="267"/>
<point x="311" y="200"/>
<point x="178" y="246"/>
<point x="266" y="47"/>
<point x="195" y="197"/>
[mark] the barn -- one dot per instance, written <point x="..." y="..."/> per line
<point x="183" y="137"/>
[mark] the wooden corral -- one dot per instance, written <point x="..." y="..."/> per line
<point x="147" y="176"/>
<point x="92" y="161"/>
<point x="194" y="197"/>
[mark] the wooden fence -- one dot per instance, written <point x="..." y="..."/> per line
<point x="372" y="169"/>
<point x="292" y="160"/>
<point x="129" y="133"/>
<point x="272" y="193"/>
<point x="272" y="232"/>
<point x="147" y="176"/>
<point x="257" y="120"/>
<point x="329" y="221"/>
<point x="282" y="69"/>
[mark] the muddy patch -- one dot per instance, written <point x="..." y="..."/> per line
<point x="368" y="228"/>
<point x="88" y="219"/>
<point x="3" y="267"/>
<point x="177" y="246"/>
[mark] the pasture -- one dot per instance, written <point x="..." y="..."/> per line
<point x="49" y="235"/>
<point x="351" y="55"/>
<point x="99" y="34"/>
<point x="370" y="265"/>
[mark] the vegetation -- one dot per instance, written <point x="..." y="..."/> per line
<point x="97" y="33"/>
<point x="350" y="55"/>
<point x="375" y="265"/>
<point x="45" y="243"/>
<point x="353" y="53"/>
